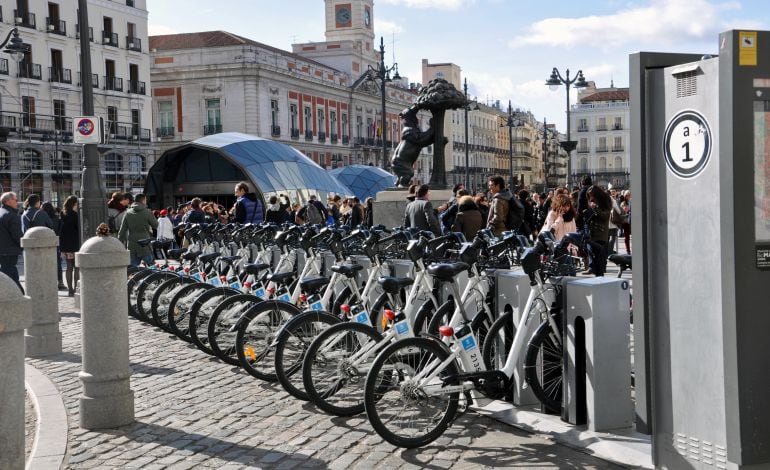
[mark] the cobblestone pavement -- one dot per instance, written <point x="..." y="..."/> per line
<point x="195" y="412"/>
<point x="30" y="425"/>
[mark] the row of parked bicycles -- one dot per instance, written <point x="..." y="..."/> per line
<point x="398" y="324"/>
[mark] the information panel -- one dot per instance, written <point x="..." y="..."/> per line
<point x="762" y="183"/>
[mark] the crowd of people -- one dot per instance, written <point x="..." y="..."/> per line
<point x="603" y="216"/>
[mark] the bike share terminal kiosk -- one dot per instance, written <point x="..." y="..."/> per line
<point x="701" y="221"/>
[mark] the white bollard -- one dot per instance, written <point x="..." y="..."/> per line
<point x="15" y="315"/>
<point x="43" y="337"/>
<point x="107" y="400"/>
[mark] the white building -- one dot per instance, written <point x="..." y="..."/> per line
<point x="600" y="123"/>
<point x="41" y="93"/>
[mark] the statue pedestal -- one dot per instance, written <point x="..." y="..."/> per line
<point x="389" y="205"/>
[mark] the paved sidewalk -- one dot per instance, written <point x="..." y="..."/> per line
<point x="195" y="412"/>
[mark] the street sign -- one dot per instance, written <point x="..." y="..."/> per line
<point x="87" y="130"/>
<point x="687" y="144"/>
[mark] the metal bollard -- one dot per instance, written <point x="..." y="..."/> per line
<point x="107" y="399"/>
<point x="15" y="315"/>
<point x="43" y="338"/>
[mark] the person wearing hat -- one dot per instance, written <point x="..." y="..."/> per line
<point x="412" y="192"/>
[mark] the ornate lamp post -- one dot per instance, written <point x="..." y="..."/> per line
<point x="510" y="123"/>
<point x="553" y="82"/>
<point x="16" y="48"/>
<point x="469" y="106"/>
<point x="381" y="74"/>
<point x="93" y="208"/>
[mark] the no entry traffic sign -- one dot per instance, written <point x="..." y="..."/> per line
<point x="87" y="130"/>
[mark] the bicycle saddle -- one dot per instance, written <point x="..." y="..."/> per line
<point x="347" y="270"/>
<point x="229" y="259"/>
<point x="255" y="268"/>
<point x="190" y="255"/>
<point x="176" y="253"/>
<point x="208" y="257"/>
<point x="281" y="278"/>
<point x="160" y="243"/>
<point x="447" y="271"/>
<point x="314" y="285"/>
<point x="393" y="285"/>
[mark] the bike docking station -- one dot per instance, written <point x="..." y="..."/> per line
<point x="700" y="152"/>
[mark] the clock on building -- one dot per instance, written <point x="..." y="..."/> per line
<point x="343" y="16"/>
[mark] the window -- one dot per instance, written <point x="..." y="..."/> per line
<point x="369" y="128"/>
<point x="59" y="113"/>
<point x="112" y="119"/>
<point x="602" y="163"/>
<point x="602" y="144"/>
<point x="274" y="113"/>
<point x="136" y="122"/>
<point x="618" y="124"/>
<point x="618" y="163"/>
<point x="333" y="122"/>
<point x="601" y="124"/>
<point x="344" y="125"/>
<point x="583" y="164"/>
<point x="213" y="113"/>
<point x="28" y="108"/>
<point x="582" y="125"/>
<point x="359" y="126"/>
<point x="165" y="116"/>
<point x="30" y="160"/>
<point x="583" y="146"/>
<point x="617" y="146"/>
<point x="308" y="120"/>
<point x="136" y="164"/>
<point x="293" y="116"/>
<point x="320" y="117"/>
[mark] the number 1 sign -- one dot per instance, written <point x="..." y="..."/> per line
<point x="687" y="144"/>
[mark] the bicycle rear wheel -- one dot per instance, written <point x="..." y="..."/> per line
<point x="332" y="382"/>
<point x="223" y="318"/>
<point x="146" y="292"/>
<point x="161" y="300"/>
<point x="179" y="309"/>
<point x="292" y="343"/>
<point x="200" y="313"/>
<point x="257" y="330"/>
<point x="543" y="366"/>
<point x="403" y="411"/>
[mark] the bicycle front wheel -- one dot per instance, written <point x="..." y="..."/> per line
<point x="256" y="332"/>
<point x="403" y="410"/>
<point x="543" y="366"/>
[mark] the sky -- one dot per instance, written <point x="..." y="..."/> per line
<point x="506" y="48"/>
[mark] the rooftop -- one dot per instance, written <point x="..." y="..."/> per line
<point x="620" y="94"/>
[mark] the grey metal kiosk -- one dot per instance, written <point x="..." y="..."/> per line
<point x="701" y="218"/>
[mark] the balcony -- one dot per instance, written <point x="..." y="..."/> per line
<point x="58" y="75"/>
<point x="602" y="149"/>
<point x="137" y="87"/>
<point x="333" y="138"/>
<point x="212" y="129"/>
<point x="90" y="32"/>
<point x="3" y="66"/>
<point x="110" y="39"/>
<point x="618" y="148"/>
<point x="56" y="26"/>
<point x="30" y="124"/>
<point x="370" y="141"/>
<point x="24" y="18"/>
<point x="94" y="80"/>
<point x="582" y="129"/>
<point x="601" y="128"/>
<point x="583" y="150"/>
<point x="309" y="136"/>
<point x="522" y="140"/>
<point x="133" y="44"/>
<point x="163" y="132"/>
<point x="113" y="83"/>
<point x="27" y="70"/>
<point x="275" y="131"/>
<point x="295" y="134"/>
<point x="617" y="127"/>
<point x="322" y="137"/>
<point x="345" y="140"/>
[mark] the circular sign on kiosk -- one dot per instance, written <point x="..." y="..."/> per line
<point x="687" y="144"/>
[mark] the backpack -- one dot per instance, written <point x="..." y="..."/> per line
<point x="312" y="214"/>
<point x="515" y="215"/>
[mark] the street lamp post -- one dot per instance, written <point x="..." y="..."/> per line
<point x="510" y="123"/>
<point x="553" y="82"/>
<point x="545" y="155"/>
<point x="467" y="108"/>
<point x="380" y="74"/>
<point x="93" y="210"/>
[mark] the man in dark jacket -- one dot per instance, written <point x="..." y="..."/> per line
<point x="501" y="201"/>
<point x="137" y="225"/>
<point x="194" y="215"/>
<point x="356" y="213"/>
<point x="10" y="237"/>
<point x="34" y="216"/>
<point x="420" y="214"/>
<point x="321" y="208"/>
<point x="248" y="208"/>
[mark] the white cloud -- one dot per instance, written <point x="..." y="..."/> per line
<point x="437" y="4"/>
<point x="159" y="29"/>
<point x="386" y="28"/>
<point x="660" y="22"/>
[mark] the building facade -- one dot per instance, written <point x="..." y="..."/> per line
<point x="448" y="71"/>
<point x="41" y="93"/>
<point x="600" y="121"/>
<point x="210" y="82"/>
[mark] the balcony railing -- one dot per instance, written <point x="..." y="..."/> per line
<point x="370" y="141"/>
<point x="212" y="129"/>
<point x="359" y="141"/>
<point x="617" y="148"/>
<point x="521" y="139"/>
<point x="28" y="70"/>
<point x="322" y="136"/>
<point x="37" y="124"/>
<point x="94" y="80"/>
<point x="113" y="83"/>
<point x="308" y="135"/>
<point x="617" y="127"/>
<point x="275" y="131"/>
<point x="583" y="150"/>
<point x="56" y="26"/>
<point x="333" y="138"/>
<point x="601" y="128"/>
<point x="345" y="140"/>
<point x="582" y="129"/>
<point x="110" y="39"/>
<point x="90" y="32"/>
<point x="164" y="132"/>
<point x="3" y="66"/>
<point x="602" y="149"/>
<point x="136" y="87"/>
<point x="59" y="75"/>
<point x="133" y="44"/>
<point x="295" y="134"/>
<point x="24" y="18"/>
<point x="126" y="131"/>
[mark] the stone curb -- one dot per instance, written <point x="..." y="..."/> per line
<point x="50" y="445"/>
